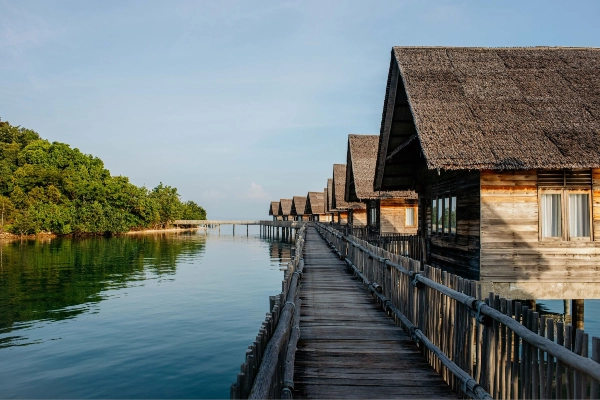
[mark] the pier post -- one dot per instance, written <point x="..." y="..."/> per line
<point x="246" y="229"/>
<point x="577" y="313"/>
<point x="233" y="229"/>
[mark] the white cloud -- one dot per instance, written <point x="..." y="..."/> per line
<point x="257" y="192"/>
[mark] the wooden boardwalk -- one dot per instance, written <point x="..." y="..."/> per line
<point x="349" y="347"/>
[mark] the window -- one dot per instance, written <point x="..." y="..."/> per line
<point x="446" y="223"/>
<point x="564" y="204"/>
<point x="373" y="216"/>
<point x="440" y="215"/>
<point x="579" y="215"/>
<point x="551" y="211"/>
<point x="453" y="215"/>
<point x="433" y="215"/>
<point x="443" y="215"/>
<point x="410" y="217"/>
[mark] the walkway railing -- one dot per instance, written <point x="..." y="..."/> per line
<point x="268" y="371"/>
<point x="397" y="243"/>
<point x="494" y="348"/>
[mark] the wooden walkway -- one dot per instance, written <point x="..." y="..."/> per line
<point x="349" y="347"/>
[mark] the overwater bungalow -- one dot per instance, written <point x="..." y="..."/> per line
<point x="502" y="146"/>
<point x="274" y="210"/>
<point x="386" y="211"/>
<point x="315" y="206"/>
<point x="285" y="209"/>
<point x="343" y="208"/>
<point x="298" y="207"/>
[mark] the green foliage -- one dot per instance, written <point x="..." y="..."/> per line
<point x="51" y="187"/>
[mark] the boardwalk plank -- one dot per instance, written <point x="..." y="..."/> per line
<point x="349" y="347"/>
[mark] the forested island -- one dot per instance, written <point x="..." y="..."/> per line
<point x="50" y="187"/>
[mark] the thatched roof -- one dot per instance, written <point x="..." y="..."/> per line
<point x="285" y="207"/>
<point x="274" y="208"/>
<point x="494" y="108"/>
<point x="339" y="189"/>
<point x="360" y="171"/>
<point x="298" y="205"/>
<point x="315" y="203"/>
<point x="329" y="204"/>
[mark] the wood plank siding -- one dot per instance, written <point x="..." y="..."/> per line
<point x="343" y="217"/>
<point x="459" y="253"/>
<point x="392" y="216"/>
<point x="512" y="251"/>
<point x="359" y="217"/>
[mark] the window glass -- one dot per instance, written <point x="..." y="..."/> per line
<point x="446" y="214"/>
<point x="440" y="215"/>
<point x="373" y="216"/>
<point x="433" y="215"/>
<point x="551" y="215"/>
<point x="410" y="217"/>
<point x="453" y="215"/>
<point x="579" y="215"/>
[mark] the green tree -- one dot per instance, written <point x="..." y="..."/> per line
<point x="53" y="187"/>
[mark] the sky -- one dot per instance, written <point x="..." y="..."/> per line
<point x="237" y="103"/>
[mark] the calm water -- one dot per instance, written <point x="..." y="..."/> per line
<point x="165" y="316"/>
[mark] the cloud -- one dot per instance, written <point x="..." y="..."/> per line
<point x="257" y="192"/>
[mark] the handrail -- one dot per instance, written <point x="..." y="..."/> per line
<point x="479" y="310"/>
<point x="268" y="359"/>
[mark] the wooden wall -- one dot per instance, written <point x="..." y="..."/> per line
<point x="359" y="217"/>
<point x="458" y="254"/>
<point x="343" y="218"/>
<point x="392" y="216"/>
<point x="511" y="250"/>
<point x="323" y="217"/>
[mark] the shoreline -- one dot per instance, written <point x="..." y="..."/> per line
<point x="11" y="237"/>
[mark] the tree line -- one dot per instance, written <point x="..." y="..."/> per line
<point x="53" y="188"/>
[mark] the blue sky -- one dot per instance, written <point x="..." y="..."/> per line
<point x="236" y="103"/>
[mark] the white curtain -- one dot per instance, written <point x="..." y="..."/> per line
<point x="579" y="215"/>
<point x="410" y="217"/>
<point x="551" y="215"/>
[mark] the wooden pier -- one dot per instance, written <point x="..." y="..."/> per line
<point x="356" y="321"/>
<point x="349" y="347"/>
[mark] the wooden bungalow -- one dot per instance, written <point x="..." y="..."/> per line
<point x="503" y="148"/>
<point x="343" y="208"/>
<point x="285" y="209"/>
<point x="315" y="206"/>
<point x="298" y="207"/>
<point x="274" y="210"/>
<point x="387" y="211"/>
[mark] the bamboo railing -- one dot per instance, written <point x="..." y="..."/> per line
<point x="496" y="348"/>
<point x="268" y="370"/>
<point x="397" y="243"/>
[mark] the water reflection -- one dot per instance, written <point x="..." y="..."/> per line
<point x="62" y="278"/>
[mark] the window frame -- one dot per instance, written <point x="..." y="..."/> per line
<point x="565" y="217"/>
<point x="440" y="229"/>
